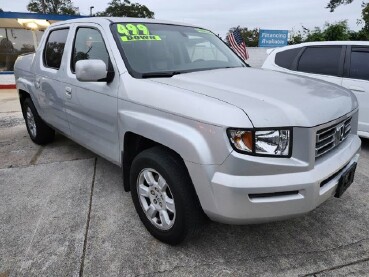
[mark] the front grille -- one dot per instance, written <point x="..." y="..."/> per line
<point x="329" y="138"/>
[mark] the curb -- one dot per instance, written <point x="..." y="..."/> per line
<point x="8" y="86"/>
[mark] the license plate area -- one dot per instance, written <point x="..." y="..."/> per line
<point x="347" y="178"/>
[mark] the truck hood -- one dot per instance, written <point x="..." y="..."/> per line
<point x="270" y="99"/>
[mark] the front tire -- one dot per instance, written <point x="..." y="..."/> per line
<point x="164" y="197"/>
<point x="39" y="132"/>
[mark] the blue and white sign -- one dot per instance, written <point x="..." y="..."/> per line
<point x="273" y="38"/>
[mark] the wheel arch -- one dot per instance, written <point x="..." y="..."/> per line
<point x="191" y="140"/>
<point x="23" y="95"/>
<point x="134" y="144"/>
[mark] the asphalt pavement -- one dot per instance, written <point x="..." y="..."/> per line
<point x="63" y="212"/>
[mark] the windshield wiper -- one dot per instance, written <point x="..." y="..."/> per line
<point x="160" y="74"/>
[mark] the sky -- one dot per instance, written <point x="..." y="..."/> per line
<point x="220" y="15"/>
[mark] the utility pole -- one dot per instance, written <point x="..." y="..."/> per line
<point x="91" y="10"/>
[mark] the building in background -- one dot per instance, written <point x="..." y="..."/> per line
<point x="21" y="33"/>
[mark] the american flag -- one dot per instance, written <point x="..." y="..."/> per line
<point x="237" y="44"/>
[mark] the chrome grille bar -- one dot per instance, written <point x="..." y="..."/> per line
<point x="330" y="137"/>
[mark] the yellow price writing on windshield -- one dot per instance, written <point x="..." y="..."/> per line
<point x="132" y="30"/>
<point x="135" y="32"/>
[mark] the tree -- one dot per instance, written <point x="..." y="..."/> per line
<point x="337" y="31"/>
<point x="250" y="36"/>
<point x="330" y="32"/>
<point x="52" y="6"/>
<point x="333" y="4"/>
<point x="1" y="10"/>
<point x="295" y="38"/>
<point x="124" y="8"/>
<point x="360" y="35"/>
<point x="365" y="17"/>
<point x="313" y="35"/>
<point x="363" y="34"/>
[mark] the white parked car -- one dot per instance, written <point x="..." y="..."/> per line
<point x="345" y="63"/>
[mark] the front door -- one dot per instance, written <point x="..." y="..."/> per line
<point x="92" y="106"/>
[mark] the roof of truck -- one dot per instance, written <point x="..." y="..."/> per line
<point x="105" y="20"/>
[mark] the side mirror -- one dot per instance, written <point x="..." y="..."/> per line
<point x="91" y="71"/>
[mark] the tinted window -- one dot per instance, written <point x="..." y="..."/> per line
<point x="89" y="45"/>
<point x="359" y="68"/>
<point x="320" y="60"/>
<point x="286" y="58"/>
<point x="54" y="48"/>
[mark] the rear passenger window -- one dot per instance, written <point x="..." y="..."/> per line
<point x="89" y="45"/>
<point x="54" y="48"/>
<point x="321" y="60"/>
<point x="359" y="68"/>
<point x="286" y="58"/>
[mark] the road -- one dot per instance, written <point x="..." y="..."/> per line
<point x="63" y="212"/>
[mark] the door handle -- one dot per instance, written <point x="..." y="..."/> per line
<point x="357" y="89"/>
<point x="68" y="92"/>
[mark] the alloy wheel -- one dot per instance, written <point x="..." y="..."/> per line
<point x="31" y="122"/>
<point x="156" y="199"/>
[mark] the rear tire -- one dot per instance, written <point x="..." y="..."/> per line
<point x="164" y="196"/>
<point x="39" y="132"/>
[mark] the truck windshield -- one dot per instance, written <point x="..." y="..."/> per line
<point x="161" y="50"/>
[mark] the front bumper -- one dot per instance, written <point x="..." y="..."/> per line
<point x="237" y="199"/>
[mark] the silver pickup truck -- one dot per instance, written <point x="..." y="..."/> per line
<point x="196" y="132"/>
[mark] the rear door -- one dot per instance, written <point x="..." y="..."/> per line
<point x="92" y="106"/>
<point x="48" y="81"/>
<point x="357" y="80"/>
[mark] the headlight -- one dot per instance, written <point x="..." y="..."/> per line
<point x="242" y="140"/>
<point x="273" y="143"/>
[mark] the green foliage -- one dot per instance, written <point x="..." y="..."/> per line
<point x="124" y="8"/>
<point x="52" y="7"/>
<point x="313" y="35"/>
<point x="361" y="35"/>
<point x="365" y="16"/>
<point x="333" y="4"/>
<point x="250" y="36"/>
<point x="295" y="38"/>
<point x="337" y="31"/>
<point x="330" y="32"/>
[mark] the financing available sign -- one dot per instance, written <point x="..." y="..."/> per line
<point x="273" y="38"/>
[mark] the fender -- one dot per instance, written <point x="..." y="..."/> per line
<point x="25" y="77"/>
<point x="192" y="140"/>
<point x="28" y="86"/>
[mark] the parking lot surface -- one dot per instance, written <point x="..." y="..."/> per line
<point x="63" y="212"/>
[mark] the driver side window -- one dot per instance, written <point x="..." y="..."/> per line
<point x="88" y="45"/>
